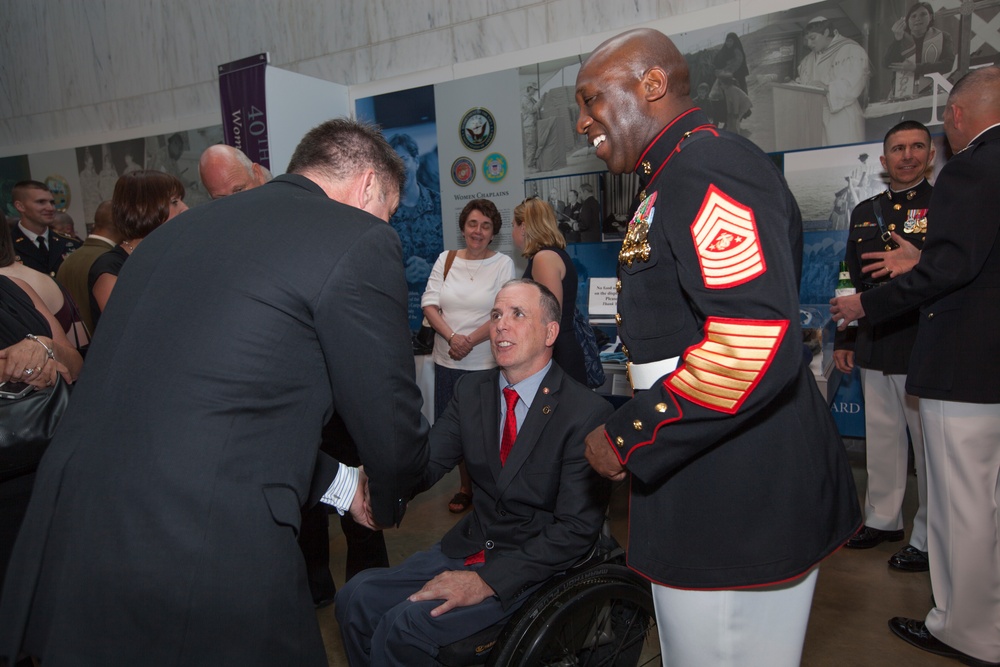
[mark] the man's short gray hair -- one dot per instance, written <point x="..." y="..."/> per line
<point x="551" y="311"/>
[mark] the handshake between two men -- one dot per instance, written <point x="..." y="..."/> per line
<point x="538" y="505"/>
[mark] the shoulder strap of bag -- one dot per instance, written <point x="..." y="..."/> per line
<point x="448" y="262"/>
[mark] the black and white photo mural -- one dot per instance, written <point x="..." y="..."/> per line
<point x="835" y="73"/>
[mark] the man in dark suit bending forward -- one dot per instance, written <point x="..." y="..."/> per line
<point x="162" y="526"/>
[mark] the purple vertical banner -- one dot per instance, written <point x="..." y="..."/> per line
<point x="244" y="111"/>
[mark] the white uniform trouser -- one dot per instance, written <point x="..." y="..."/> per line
<point x="889" y="410"/>
<point x="963" y="483"/>
<point x="750" y="627"/>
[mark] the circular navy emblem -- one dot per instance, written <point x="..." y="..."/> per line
<point x="494" y="167"/>
<point x="477" y="129"/>
<point x="463" y="171"/>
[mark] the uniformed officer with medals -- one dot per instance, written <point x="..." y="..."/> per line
<point x="895" y="217"/>
<point x="739" y="482"/>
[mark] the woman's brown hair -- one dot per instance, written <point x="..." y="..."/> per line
<point x="141" y="201"/>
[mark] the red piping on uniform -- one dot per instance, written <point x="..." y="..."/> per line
<point x="677" y="149"/>
<point x="653" y="142"/>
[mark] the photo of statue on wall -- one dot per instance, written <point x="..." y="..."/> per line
<point x="99" y="167"/>
<point x="788" y="80"/>
<point x="828" y="183"/>
<point x="838" y="72"/>
<point x="549" y="111"/>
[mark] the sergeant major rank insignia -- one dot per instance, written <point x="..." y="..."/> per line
<point x="725" y="236"/>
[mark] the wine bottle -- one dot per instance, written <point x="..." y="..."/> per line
<point x="845" y="288"/>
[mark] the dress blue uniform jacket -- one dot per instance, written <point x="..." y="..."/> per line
<point x="884" y="347"/>
<point x="738" y="474"/>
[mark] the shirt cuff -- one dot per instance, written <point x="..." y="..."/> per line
<point x="341" y="492"/>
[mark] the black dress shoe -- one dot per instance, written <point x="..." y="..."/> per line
<point x="915" y="633"/>
<point x="866" y="538"/>
<point x="909" y="559"/>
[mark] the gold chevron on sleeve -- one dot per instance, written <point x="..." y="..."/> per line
<point x="721" y="371"/>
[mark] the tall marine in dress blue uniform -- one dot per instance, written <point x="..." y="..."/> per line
<point x="738" y="475"/>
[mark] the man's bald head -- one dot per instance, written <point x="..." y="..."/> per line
<point x="104" y="224"/>
<point x="628" y="90"/>
<point x="642" y="48"/>
<point x="225" y="171"/>
<point x="973" y="105"/>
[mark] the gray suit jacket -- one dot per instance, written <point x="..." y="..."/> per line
<point x="540" y="512"/>
<point x="163" y="523"/>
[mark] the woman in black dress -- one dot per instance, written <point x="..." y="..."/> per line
<point x="23" y="359"/>
<point x="536" y="234"/>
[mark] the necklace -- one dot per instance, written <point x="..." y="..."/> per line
<point x="129" y="247"/>
<point x="472" y="275"/>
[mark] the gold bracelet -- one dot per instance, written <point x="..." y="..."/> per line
<point x="452" y="335"/>
<point x="48" y="350"/>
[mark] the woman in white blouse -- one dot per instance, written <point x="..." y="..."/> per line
<point x="457" y="303"/>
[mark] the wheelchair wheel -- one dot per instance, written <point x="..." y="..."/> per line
<point x="603" y="616"/>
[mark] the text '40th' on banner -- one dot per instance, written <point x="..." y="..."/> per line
<point x="244" y="109"/>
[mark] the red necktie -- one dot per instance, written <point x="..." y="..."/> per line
<point x="509" y="424"/>
<point x="506" y="443"/>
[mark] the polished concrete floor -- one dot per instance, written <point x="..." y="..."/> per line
<point x="855" y="596"/>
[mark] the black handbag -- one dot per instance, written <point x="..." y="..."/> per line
<point x="423" y="340"/>
<point x="26" y="427"/>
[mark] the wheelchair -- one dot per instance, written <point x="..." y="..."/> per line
<point x="598" y="613"/>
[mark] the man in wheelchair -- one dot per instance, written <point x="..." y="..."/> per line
<point x="538" y="505"/>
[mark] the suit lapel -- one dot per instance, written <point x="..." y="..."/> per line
<point x="489" y="408"/>
<point x="543" y="407"/>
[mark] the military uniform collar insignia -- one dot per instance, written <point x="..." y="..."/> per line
<point x="908" y="193"/>
<point x="662" y="146"/>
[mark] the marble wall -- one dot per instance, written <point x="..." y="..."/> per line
<point x="77" y="72"/>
